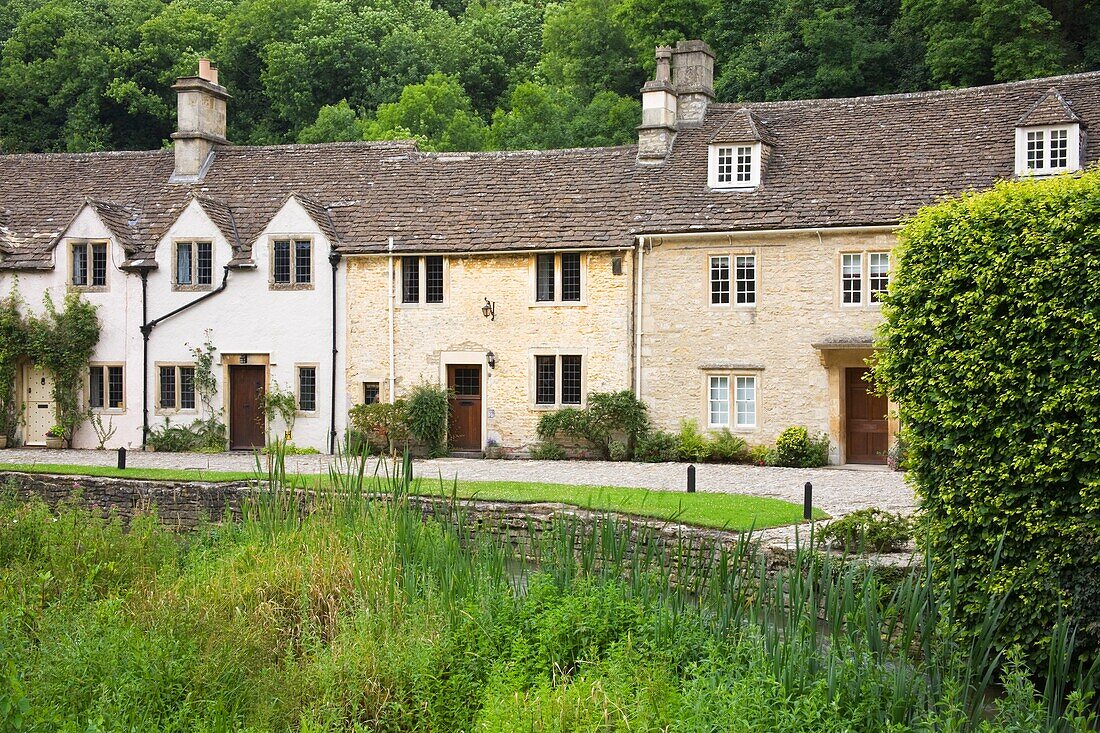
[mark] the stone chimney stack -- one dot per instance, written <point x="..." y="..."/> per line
<point x="693" y="78"/>
<point x="659" y="106"/>
<point x="200" y="122"/>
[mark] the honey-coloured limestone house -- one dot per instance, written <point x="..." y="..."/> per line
<point x="726" y="269"/>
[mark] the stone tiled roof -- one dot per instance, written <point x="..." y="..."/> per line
<point x="1051" y="109"/>
<point x="839" y="162"/>
<point x="742" y="126"/>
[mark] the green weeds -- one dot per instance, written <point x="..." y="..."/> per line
<point x="327" y="609"/>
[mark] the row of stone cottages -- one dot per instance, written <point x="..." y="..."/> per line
<point x="726" y="268"/>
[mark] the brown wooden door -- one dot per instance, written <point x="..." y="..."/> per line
<point x="865" y="417"/>
<point x="247" y="385"/>
<point x="464" y="427"/>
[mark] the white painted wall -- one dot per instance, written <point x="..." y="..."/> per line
<point x="292" y="327"/>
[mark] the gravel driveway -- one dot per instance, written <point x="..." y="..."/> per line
<point x="836" y="490"/>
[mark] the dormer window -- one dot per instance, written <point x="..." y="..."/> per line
<point x="1048" y="137"/>
<point x="734" y="165"/>
<point x="1042" y="151"/>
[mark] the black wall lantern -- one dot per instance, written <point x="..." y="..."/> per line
<point x="489" y="310"/>
<point x="491" y="360"/>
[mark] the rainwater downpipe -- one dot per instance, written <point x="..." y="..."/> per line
<point x="393" y="379"/>
<point x="334" y="260"/>
<point x="147" y="330"/>
<point x="638" y="319"/>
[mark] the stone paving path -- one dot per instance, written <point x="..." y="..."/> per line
<point x="837" y="491"/>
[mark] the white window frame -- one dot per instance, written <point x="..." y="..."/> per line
<point x="422" y="282"/>
<point x="558" y="381"/>
<point x="846" y="276"/>
<point x="737" y="280"/>
<point x="557" y="299"/>
<point x="737" y="401"/>
<point x="867" y="297"/>
<point x="1073" y="149"/>
<point x="712" y="401"/>
<point x="176" y="366"/>
<point x="728" y="280"/>
<point x="716" y="172"/>
<point x="105" y="366"/>
<point x="873" y="293"/>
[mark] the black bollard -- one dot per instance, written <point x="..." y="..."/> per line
<point x="691" y="479"/>
<point x="121" y="458"/>
<point x="807" y="502"/>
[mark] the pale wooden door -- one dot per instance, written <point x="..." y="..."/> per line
<point x="39" y="409"/>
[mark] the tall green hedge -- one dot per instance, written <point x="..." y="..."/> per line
<point x="991" y="349"/>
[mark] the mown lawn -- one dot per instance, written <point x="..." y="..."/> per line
<point x="738" y="512"/>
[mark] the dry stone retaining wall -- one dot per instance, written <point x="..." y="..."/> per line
<point x="185" y="505"/>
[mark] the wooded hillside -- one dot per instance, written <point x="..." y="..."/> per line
<point x="79" y="75"/>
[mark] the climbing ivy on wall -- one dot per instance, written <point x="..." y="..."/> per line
<point x="990" y="351"/>
<point x="63" y="342"/>
<point x="13" y="346"/>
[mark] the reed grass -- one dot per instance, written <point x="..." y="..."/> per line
<point x="346" y="608"/>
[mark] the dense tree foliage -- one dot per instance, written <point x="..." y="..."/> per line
<point x="96" y="74"/>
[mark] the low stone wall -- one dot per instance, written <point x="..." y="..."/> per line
<point x="184" y="505"/>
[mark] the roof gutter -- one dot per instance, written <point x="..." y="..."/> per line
<point x="389" y="251"/>
<point x="730" y="234"/>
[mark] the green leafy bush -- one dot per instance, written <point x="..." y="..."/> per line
<point x="657" y="446"/>
<point x="384" y="424"/>
<point x="607" y="418"/>
<point x="427" y="410"/>
<point x="205" y="435"/>
<point x="725" y="447"/>
<point x="990" y="351"/>
<point x="762" y="455"/>
<point x="897" y="458"/>
<point x="546" y="451"/>
<point x="868" y="530"/>
<point x="795" y="447"/>
<point x="692" y="444"/>
<point x="13" y="348"/>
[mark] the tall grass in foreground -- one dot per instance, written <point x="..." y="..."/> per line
<point x="341" y="609"/>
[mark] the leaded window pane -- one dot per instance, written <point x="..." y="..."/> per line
<point x="571" y="380"/>
<point x="303" y="262"/>
<point x="545" y="380"/>
<point x="80" y="264"/>
<point x="433" y="273"/>
<point x="719" y="280"/>
<point x="205" y="269"/>
<point x="307" y="389"/>
<point x="746" y="279"/>
<point x="114" y="387"/>
<point x="719" y="401"/>
<point x="183" y="263"/>
<point x="99" y="265"/>
<point x="187" y="388"/>
<point x="167" y="388"/>
<point x="372" y="393"/>
<point x="96" y="388"/>
<point x="410" y="279"/>
<point x="544" y="273"/>
<point x="571" y="277"/>
<point x="281" y="267"/>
